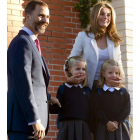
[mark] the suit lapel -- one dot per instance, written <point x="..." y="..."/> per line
<point x="94" y="45"/>
<point x="110" y="45"/>
<point x="33" y="46"/>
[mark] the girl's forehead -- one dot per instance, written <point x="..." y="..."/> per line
<point x="112" y="67"/>
<point x="79" y="63"/>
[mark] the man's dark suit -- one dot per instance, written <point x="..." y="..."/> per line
<point x="28" y="79"/>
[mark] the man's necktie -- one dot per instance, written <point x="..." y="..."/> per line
<point x="38" y="45"/>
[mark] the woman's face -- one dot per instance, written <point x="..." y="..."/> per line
<point x="104" y="17"/>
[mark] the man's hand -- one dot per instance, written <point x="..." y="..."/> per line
<point x="111" y="126"/>
<point x="54" y="100"/>
<point x="39" y="131"/>
<point x="75" y="79"/>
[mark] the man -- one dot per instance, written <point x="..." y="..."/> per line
<point x="28" y="78"/>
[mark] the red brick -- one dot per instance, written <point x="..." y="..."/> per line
<point x="16" y="12"/>
<point x="54" y="138"/>
<point x="68" y="35"/>
<point x="53" y="39"/>
<point x="61" y="62"/>
<point x="51" y="122"/>
<point x="64" y="79"/>
<point x="56" y="56"/>
<point x="47" y="139"/>
<point x="59" y="73"/>
<point x="57" y="18"/>
<point x="55" y="83"/>
<point x="52" y="93"/>
<point x="66" y="46"/>
<point x="56" y="7"/>
<point x="74" y="10"/>
<point x="76" y="20"/>
<point x="66" y="3"/>
<point x="56" y="34"/>
<point x="68" y="41"/>
<point x="66" y="19"/>
<point x="55" y="89"/>
<point x="50" y="89"/>
<point x="71" y="25"/>
<point x="77" y="15"/>
<point x="44" y="49"/>
<point x="47" y="55"/>
<point x="76" y="31"/>
<point x="51" y="133"/>
<point x="54" y="128"/>
<point x="47" y="1"/>
<point x="54" y="1"/>
<point x="49" y="67"/>
<point x="53" y="117"/>
<point x="68" y="30"/>
<point x="54" y="12"/>
<point x="47" y="33"/>
<point x="67" y="51"/>
<point x="64" y="57"/>
<point x="78" y="26"/>
<point x="56" y="67"/>
<point x="55" y="23"/>
<point x="56" y="78"/>
<point x="55" y="28"/>
<point x="46" y="44"/>
<point x="67" y="9"/>
<point x="43" y="38"/>
<point x="56" y="45"/>
<point x="67" y="14"/>
<point x="15" y="1"/>
<point x="52" y="50"/>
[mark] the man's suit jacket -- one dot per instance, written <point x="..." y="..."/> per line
<point x="87" y="48"/>
<point x="28" y="79"/>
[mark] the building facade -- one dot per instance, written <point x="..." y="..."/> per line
<point x="57" y="41"/>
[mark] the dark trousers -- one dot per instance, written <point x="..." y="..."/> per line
<point x="19" y="136"/>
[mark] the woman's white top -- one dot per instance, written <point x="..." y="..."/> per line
<point x="103" y="56"/>
<point x="88" y="49"/>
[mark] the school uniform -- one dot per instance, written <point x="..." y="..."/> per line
<point x="74" y="113"/>
<point x="111" y="105"/>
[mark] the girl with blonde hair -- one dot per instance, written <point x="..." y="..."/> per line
<point x="111" y="104"/>
<point x="74" y="98"/>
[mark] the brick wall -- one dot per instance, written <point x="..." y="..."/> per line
<point x="56" y="42"/>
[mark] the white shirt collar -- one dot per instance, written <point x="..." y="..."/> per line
<point x="111" y="89"/>
<point x="73" y="85"/>
<point x="32" y="35"/>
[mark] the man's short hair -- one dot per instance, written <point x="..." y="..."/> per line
<point x="32" y="5"/>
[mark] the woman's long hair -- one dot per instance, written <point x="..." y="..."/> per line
<point x="95" y="27"/>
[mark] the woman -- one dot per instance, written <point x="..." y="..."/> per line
<point x="97" y="44"/>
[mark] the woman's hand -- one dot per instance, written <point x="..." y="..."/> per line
<point x="75" y="79"/>
<point x="116" y="82"/>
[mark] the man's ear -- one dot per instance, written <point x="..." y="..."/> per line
<point x="27" y="16"/>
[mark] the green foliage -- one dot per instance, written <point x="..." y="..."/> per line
<point x="84" y="9"/>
